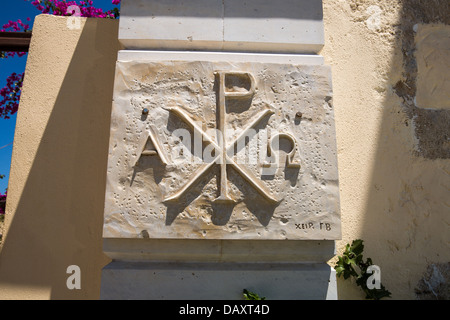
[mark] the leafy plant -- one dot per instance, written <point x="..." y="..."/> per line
<point x="351" y="264"/>
<point x="248" y="295"/>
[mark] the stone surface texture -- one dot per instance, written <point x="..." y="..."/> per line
<point x="173" y="193"/>
<point x="433" y="56"/>
<point x="229" y="25"/>
<point x="226" y="281"/>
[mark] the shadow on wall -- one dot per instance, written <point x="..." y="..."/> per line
<point x="406" y="217"/>
<point x="227" y="9"/>
<point x="59" y="216"/>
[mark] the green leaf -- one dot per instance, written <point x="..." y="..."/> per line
<point x="340" y="269"/>
<point x="357" y="247"/>
<point x="248" y="295"/>
<point x="377" y="294"/>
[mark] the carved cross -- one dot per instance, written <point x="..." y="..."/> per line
<point x="223" y="149"/>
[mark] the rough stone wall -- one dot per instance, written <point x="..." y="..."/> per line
<point x="431" y="123"/>
<point x="393" y="155"/>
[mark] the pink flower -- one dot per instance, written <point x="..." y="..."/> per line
<point x="10" y="95"/>
<point x="59" y="8"/>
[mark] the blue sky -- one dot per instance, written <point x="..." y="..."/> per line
<point x="13" y="10"/>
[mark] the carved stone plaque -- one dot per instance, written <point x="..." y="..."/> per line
<point x="217" y="150"/>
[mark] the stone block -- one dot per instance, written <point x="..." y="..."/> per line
<point x="217" y="281"/>
<point x="264" y="25"/>
<point x="221" y="150"/>
<point x="433" y="56"/>
<point x="228" y="25"/>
